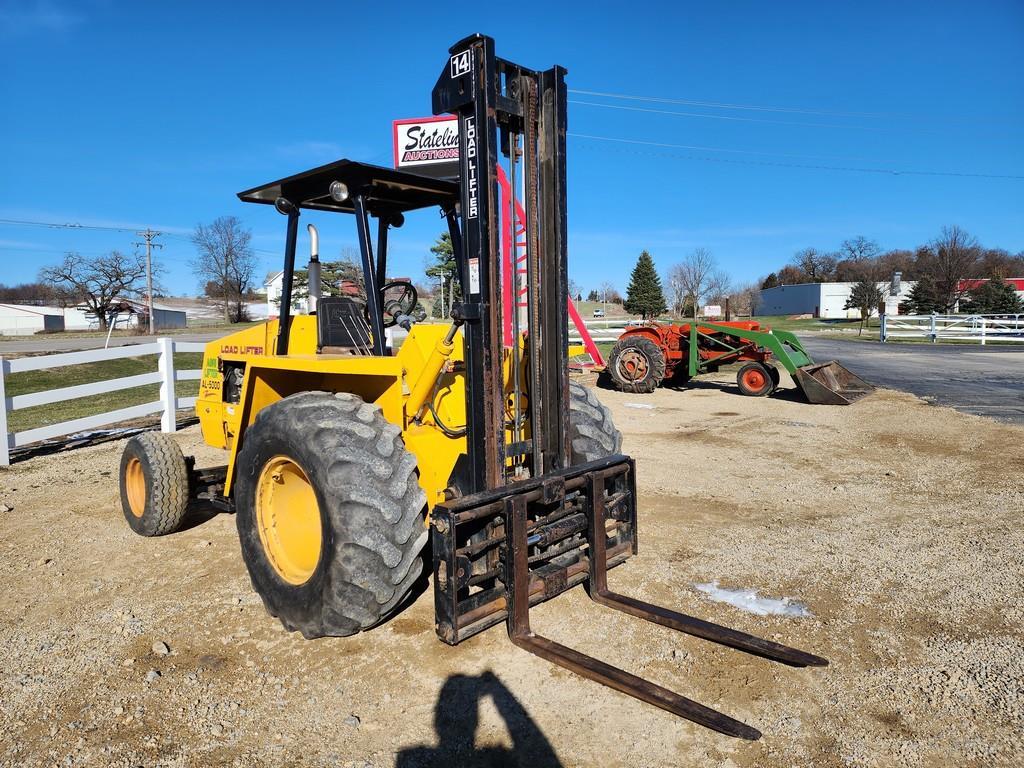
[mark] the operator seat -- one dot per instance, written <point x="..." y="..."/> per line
<point x="341" y="326"/>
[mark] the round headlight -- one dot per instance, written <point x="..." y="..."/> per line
<point x="339" y="192"/>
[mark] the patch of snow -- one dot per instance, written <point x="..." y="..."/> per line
<point x="747" y="600"/>
<point x="645" y="406"/>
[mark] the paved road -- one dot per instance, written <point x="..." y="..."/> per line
<point x="36" y="344"/>
<point x="987" y="381"/>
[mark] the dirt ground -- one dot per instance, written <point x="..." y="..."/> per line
<point x="897" y="523"/>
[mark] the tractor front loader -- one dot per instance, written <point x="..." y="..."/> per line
<point x="353" y="467"/>
<point x="646" y="356"/>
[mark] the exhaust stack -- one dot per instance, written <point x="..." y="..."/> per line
<point x="313" y="269"/>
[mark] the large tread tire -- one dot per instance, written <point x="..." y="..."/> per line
<point x="591" y="430"/>
<point x="371" y="510"/>
<point x="654" y="374"/>
<point x="156" y="462"/>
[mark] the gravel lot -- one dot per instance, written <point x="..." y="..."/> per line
<point x="896" y="522"/>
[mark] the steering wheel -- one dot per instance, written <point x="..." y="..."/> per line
<point x="402" y="304"/>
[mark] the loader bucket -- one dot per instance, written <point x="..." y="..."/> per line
<point x="831" y="384"/>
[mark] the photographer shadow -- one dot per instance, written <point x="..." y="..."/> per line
<point x="456" y="717"/>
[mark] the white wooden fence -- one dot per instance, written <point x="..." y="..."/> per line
<point x="602" y="330"/>
<point x="165" y="375"/>
<point x="977" y="328"/>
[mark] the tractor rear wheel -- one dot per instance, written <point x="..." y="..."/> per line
<point x="592" y="432"/>
<point x="636" y="364"/>
<point x="329" y="513"/>
<point x="154" y="484"/>
<point x="755" y="380"/>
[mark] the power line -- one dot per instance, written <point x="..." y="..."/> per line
<point x="134" y="231"/>
<point x="737" y="151"/>
<point x="731" y="118"/>
<point x="67" y="225"/>
<point x="755" y="107"/>
<point x="816" y="167"/>
<point x="187" y="239"/>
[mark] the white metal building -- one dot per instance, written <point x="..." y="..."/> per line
<point x="824" y="300"/>
<point x="26" y="319"/>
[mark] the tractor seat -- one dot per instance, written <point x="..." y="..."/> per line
<point x="341" y="327"/>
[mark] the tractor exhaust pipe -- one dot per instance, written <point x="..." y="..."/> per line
<point x="313" y="269"/>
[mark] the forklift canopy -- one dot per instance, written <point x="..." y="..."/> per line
<point x="385" y="190"/>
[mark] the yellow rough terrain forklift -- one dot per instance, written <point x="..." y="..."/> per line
<point x="352" y="468"/>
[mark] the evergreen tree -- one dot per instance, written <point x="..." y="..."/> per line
<point x="332" y="275"/>
<point x="865" y="296"/>
<point x="443" y="270"/>
<point x="770" y="282"/>
<point x="644" y="296"/>
<point x="923" y="298"/>
<point x="593" y="295"/>
<point x="994" y="297"/>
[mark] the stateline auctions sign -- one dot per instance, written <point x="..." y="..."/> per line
<point x="427" y="145"/>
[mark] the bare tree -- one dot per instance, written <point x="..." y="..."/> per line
<point x="742" y="299"/>
<point x="790" y="275"/>
<point x="574" y="289"/>
<point x="897" y="260"/>
<point x="225" y="259"/>
<point x="859" y="248"/>
<point x="100" y="283"/>
<point x="609" y="293"/>
<point x="27" y="293"/>
<point x="950" y="258"/>
<point x="745" y="299"/>
<point x="695" y="278"/>
<point x="858" y="260"/>
<point x="818" y="267"/>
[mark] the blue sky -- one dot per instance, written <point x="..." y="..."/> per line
<point x="135" y="114"/>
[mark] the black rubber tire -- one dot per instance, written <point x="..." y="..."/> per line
<point x="371" y="510"/>
<point x="766" y="389"/>
<point x="655" y="368"/>
<point x="591" y="430"/>
<point x="165" y="473"/>
<point x="776" y="376"/>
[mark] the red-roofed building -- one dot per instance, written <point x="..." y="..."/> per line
<point x="1016" y="282"/>
<point x="970" y="285"/>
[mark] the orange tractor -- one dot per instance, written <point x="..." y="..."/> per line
<point x="645" y="356"/>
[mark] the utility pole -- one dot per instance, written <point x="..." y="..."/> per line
<point x="148" y="236"/>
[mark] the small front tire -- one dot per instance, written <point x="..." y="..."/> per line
<point x="154" y="484"/>
<point x="755" y="380"/>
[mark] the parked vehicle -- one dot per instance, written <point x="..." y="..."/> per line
<point x="646" y="356"/>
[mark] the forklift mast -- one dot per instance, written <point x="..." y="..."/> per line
<point x="531" y="525"/>
<point x="521" y="113"/>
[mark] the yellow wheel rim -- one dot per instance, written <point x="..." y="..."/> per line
<point x="288" y="518"/>
<point x="135" y="486"/>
